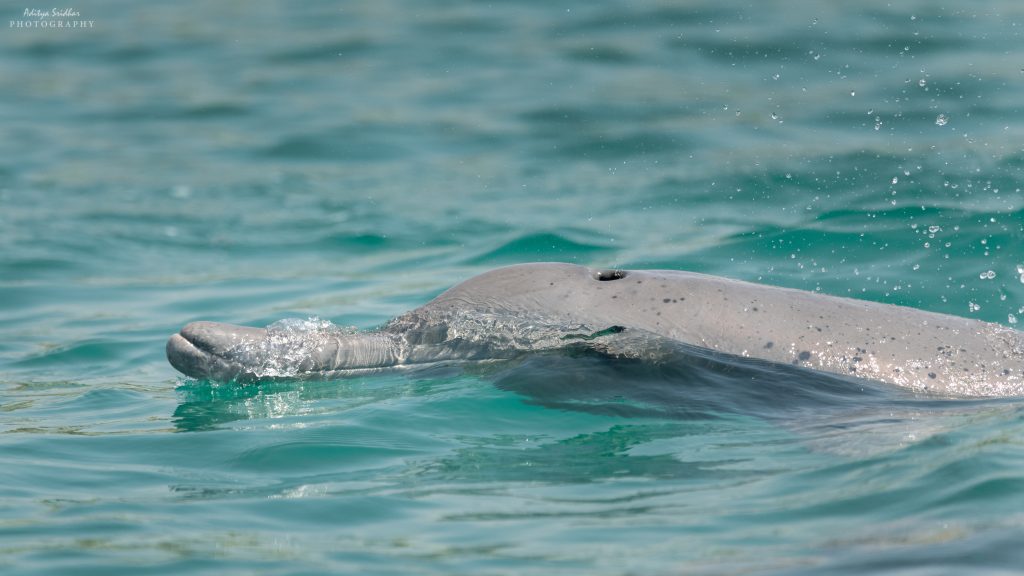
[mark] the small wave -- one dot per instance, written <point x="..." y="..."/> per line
<point x="687" y="383"/>
<point x="540" y="246"/>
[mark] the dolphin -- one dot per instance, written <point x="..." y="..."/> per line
<point x="516" y="310"/>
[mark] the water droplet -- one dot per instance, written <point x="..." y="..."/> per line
<point x="934" y="229"/>
<point x="1011" y="319"/>
<point x="853" y="92"/>
<point x="922" y="82"/>
<point x="973" y="307"/>
<point x="895" y="179"/>
<point x="987" y="275"/>
<point x="941" y="120"/>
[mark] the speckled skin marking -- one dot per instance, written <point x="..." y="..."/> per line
<point x="518" y="309"/>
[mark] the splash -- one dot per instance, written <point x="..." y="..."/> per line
<point x="289" y="346"/>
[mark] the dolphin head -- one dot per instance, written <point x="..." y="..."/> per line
<point x="500" y="313"/>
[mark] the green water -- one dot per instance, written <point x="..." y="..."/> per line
<point x="247" y="162"/>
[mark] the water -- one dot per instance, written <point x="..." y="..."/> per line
<point x="250" y="162"/>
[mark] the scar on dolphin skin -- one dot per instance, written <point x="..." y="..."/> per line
<point x="516" y="310"/>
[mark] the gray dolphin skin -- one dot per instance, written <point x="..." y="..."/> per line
<point x="526" y="308"/>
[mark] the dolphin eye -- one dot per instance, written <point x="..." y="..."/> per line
<point x="608" y="275"/>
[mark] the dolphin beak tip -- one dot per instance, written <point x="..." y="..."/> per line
<point x="184" y="356"/>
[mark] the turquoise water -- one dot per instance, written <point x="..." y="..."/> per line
<point x="248" y="162"/>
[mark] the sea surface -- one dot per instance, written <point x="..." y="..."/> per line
<point x="248" y="162"/>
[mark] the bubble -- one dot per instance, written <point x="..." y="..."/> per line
<point x="987" y="275"/>
<point x="973" y="307"/>
<point x="1011" y="318"/>
<point x="922" y="82"/>
<point x="941" y="120"/>
<point x="895" y="179"/>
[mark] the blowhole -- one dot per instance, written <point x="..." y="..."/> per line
<point x="608" y="275"/>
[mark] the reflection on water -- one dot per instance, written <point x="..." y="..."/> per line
<point x="207" y="405"/>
